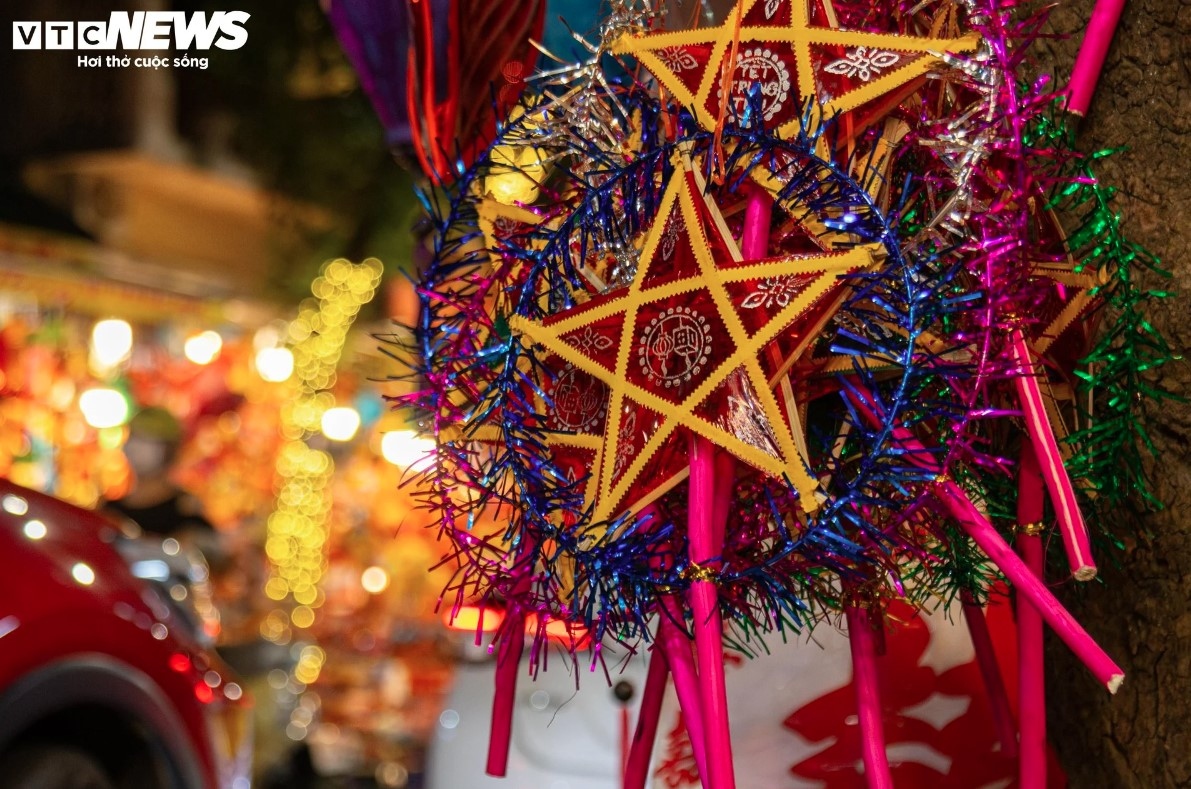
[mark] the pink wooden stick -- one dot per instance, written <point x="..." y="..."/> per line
<point x="1032" y="687"/>
<point x="725" y="483"/>
<point x="636" y="770"/>
<point x="1028" y="585"/>
<point x="994" y="685"/>
<point x="704" y="602"/>
<point x="980" y="530"/>
<point x="868" y="699"/>
<point x="758" y="216"/>
<point x="1031" y="703"/>
<point x="626" y="738"/>
<point x="1106" y="14"/>
<point x="677" y="649"/>
<point x="1046" y="448"/>
<point x="710" y="497"/>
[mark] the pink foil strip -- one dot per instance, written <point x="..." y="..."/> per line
<point x="1058" y="482"/>
<point x="1030" y="660"/>
<point x="1089" y="63"/>
<point x="994" y="684"/>
<point x="868" y="699"/>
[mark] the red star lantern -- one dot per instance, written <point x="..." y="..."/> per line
<point x="686" y="347"/>
<point x="792" y="51"/>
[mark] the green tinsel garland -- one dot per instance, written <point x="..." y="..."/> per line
<point x="1117" y="376"/>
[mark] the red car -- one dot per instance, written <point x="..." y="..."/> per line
<point x="104" y="682"/>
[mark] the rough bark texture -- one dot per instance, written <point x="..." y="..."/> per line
<point x="1141" y="614"/>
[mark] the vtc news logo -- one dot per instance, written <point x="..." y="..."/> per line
<point x="137" y="30"/>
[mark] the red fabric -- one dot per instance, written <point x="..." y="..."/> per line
<point x="488" y="54"/>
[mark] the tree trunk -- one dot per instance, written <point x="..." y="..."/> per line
<point x="1142" y="612"/>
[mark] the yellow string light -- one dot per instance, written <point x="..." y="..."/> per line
<point x="297" y="529"/>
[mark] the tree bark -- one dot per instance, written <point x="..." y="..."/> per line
<point x="1141" y="613"/>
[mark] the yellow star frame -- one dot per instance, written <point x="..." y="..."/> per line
<point x="882" y="62"/>
<point x="705" y="230"/>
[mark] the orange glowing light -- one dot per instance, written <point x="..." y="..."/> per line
<point x="559" y="630"/>
<point x="470" y="618"/>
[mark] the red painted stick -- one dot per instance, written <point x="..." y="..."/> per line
<point x="1046" y="449"/>
<point x="508" y="660"/>
<point x="868" y="699"/>
<point x="1106" y="15"/>
<point x="994" y="685"/>
<point x="640" y="751"/>
<point x="1031" y="703"/>
<point x="677" y="648"/>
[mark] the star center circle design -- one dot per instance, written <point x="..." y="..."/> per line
<point x="579" y="400"/>
<point x="767" y="70"/>
<point x="675" y="347"/>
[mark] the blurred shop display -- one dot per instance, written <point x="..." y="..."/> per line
<point x="89" y="397"/>
<point x="100" y="380"/>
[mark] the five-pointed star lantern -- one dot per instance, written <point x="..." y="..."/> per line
<point x="792" y="51"/>
<point x="684" y="347"/>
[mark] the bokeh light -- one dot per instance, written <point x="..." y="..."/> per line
<point x="204" y="347"/>
<point x="406" y="449"/>
<point x="275" y="364"/>
<point x="340" y="423"/>
<point x="82" y="573"/>
<point x="111" y="345"/>
<point x="35" y="529"/>
<point x="374" y="580"/>
<point x="104" y="407"/>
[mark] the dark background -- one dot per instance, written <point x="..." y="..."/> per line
<point x="285" y="107"/>
<point x="1141" y="613"/>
